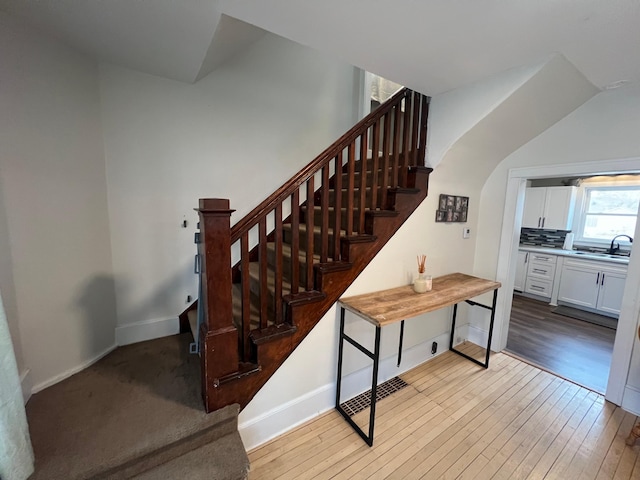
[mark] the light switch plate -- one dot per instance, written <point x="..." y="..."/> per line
<point x="466" y="232"/>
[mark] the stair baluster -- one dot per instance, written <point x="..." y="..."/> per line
<point x="337" y="202"/>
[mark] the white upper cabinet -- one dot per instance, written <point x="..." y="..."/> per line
<point x="533" y="207"/>
<point x="549" y="207"/>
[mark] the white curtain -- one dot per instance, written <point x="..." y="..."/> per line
<point x="16" y="454"/>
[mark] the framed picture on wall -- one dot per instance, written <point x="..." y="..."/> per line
<point x="452" y="208"/>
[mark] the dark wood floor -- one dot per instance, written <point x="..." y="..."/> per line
<point x="573" y="349"/>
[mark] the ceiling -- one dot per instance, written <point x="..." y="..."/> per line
<point x="430" y="45"/>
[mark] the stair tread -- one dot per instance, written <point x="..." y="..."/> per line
<point x="286" y="251"/>
<point x="223" y="459"/>
<point x="272" y="332"/>
<point x="316" y="229"/>
<point x="254" y="272"/>
<point x="331" y="209"/>
<point x="254" y="314"/>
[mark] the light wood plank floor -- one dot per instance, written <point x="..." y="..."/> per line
<point x="457" y="420"/>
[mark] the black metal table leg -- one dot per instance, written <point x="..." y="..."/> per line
<point x="375" y="356"/>
<point x="340" y="353"/>
<point x="453" y="327"/>
<point x="493" y="317"/>
<point x="374" y="386"/>
<point x="400" y="342"/>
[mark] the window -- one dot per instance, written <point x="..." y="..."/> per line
<point x="609" y="211"/>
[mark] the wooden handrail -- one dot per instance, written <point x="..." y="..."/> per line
<point x="252" y="218"/>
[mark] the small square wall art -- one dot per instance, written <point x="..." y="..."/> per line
<point x="452" y="208"/>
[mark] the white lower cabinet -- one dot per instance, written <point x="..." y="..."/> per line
<point x="540" y="274"/>
<point x="594" y="285"/>
<point x="611" y="291"/>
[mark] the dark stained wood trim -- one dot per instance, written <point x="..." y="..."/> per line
<point x="415" y="129"/>
<point x="385" y="159"/>
<point x="324" y="253"/>
<point x="310" y="229"/>
<point x="295" y="241"/>
<point x="263" y="264"/>
<point x="423" y="131"/>
<point x="406" y="130"/>
<point x="278" y="265"/>
<point x="396" y="146"/>
<point x="351" y="186"/>
<point x="362" y="202"/>
<point x="375" y="153"/>
<point x="337" y="206"/>
<point x="246" y="295"/>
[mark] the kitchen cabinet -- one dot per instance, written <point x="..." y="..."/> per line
<point x="549" y="207"/>
<point x="593" y="285"/>
<point x="541" y="271"/>
<point x="521" y="271"/>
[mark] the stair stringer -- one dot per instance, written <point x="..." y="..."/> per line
<point x="332" y="283"/>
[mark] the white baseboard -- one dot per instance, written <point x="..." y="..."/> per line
<point x="258" y="430"/>
<point x="146" y="330"/>
<point x="26" y="384"/>
<point x="478" y="335"/>
<point x="58" y="378"/>
<point x="631" y="400"/>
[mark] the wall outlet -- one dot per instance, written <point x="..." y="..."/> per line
<point x="188" y="299"/>
<point x="434" y="348"/>
<point x="466" y="232"/>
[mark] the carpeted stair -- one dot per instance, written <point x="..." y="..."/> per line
<point x="137" y="413"/>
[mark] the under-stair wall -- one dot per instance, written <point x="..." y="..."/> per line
<point x="258" y="311"/>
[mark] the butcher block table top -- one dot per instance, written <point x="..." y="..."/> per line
<point x="389" y="306"/>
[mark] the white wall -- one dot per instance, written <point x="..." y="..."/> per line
<point x="604" y="131"/>
<point x="238" y="133"/>
<point x="57" y="267"/>
<point x="454" y="113"/>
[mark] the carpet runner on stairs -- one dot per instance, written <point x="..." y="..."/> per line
<point x="136" y="413"/>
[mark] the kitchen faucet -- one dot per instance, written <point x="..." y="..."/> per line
<point x="613" y="249"/>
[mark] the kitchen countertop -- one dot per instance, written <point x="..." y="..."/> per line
<point x="600" y="257"/>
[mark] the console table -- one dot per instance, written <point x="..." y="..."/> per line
<point x="397" y="304"/>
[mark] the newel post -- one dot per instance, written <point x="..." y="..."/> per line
<point x="218" y="336"/>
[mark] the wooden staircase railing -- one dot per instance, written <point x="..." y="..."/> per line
<point x="277" y="257"/>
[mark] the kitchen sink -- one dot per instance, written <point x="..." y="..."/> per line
<point x="593" y="254"/>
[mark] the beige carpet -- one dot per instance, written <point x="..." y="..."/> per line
<point x="138" y="407"/>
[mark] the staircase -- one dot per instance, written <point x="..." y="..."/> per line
<point x="136" y="413"/>
<point x="267" y="281"/>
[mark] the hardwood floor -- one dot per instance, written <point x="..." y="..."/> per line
<point x="458" y="420"/>
<point x="573" y="349"/>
